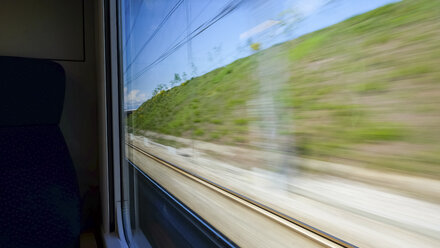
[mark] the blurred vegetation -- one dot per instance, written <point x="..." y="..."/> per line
<point x="364" y="92"/>
<point x="256" y="46"/>
<point x="207" y="107"/>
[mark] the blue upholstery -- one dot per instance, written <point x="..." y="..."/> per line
<point x="39" y="196"/>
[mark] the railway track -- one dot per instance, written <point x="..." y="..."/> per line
<point x="320" y="237"/>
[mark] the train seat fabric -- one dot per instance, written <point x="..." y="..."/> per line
<point x="39" y="195"/>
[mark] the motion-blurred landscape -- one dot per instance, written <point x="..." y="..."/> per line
<point x="338" y="128"/>
<point x="364" y="92"/>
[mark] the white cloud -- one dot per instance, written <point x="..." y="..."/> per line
<point x="258" y="29"/>
<point x="307" y="8"/>
<point x="295" y="11"/>
<point x="134" y="97"/>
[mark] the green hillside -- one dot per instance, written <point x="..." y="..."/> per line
<point x="365" y="92"/>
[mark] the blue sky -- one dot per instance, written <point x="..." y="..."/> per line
<point x="266" y="22"/>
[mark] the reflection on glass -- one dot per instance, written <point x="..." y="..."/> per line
<point x="325" y="110"/>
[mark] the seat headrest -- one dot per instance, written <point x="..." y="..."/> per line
<point x="31" y="91"/>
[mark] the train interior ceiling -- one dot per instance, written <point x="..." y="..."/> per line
<point x="232" y="123"/>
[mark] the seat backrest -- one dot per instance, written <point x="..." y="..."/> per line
<point x="39" y="196"/>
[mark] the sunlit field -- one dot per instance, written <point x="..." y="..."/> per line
<point x="364" y="92"/>
<point x="337" y="125"/>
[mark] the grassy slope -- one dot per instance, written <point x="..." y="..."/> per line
<point x="364" y="91"/>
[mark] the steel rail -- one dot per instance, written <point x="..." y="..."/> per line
<point x="315" y="234"/>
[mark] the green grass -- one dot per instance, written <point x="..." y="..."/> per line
<point x="359" y="83"/>
<point x="411" y="71"/>
<point x="307" y="46"/>
<point x="370" y="87"/>
<point x="199" y="106"/>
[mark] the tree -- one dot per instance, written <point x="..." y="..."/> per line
<point x="255" y="46"/>
<point x="159" y="88"/>
<point x="177" y="79"/>
<point x="194" y="69"/>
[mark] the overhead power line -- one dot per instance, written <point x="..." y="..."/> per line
<point x="227" y="9"/>
<point x="187" y="30"/>
<point x="134" y="22"/>
<point x="175" y="7"/>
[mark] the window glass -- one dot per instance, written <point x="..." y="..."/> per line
<point x="285" y="121"/>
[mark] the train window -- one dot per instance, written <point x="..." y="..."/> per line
<point x="281" y="123"/>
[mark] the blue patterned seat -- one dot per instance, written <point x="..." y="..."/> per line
<point x="39" y="196"/>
